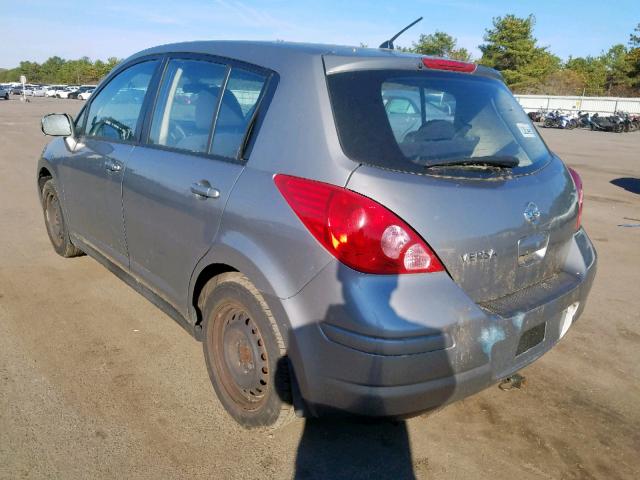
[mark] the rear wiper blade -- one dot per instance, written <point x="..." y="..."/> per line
<point x="505" y="161"/>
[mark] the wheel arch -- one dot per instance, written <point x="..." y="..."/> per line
<point x="224" y="258"/>
<point x="45" y="172"/>
<point x="207" y="273"/>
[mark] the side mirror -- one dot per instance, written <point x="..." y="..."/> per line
<point x="58" y="125"/>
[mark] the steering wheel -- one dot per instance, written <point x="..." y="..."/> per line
<point x="176" y="134"/>
<point x="122" y="130"/>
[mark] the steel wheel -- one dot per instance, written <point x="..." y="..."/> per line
<point x="53" y="217"/>
<point x="55" y="223"/>
<point x="245" y="352"/>
<point x="240" y="356"/>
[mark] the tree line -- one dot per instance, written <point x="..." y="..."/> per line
<point x="509" y="46"/>
<point x="57" y="70"/>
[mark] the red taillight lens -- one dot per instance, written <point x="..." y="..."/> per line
<point x="359" y="232"/>
<point x="453" y="65"/>
<point x="577" y="181"/>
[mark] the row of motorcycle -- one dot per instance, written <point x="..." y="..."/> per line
<point x="618" y="122"/>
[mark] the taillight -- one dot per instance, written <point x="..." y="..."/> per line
<point x="359" y="232"/>
<point x="453" y="65"/>
<point x="577" y="181"/>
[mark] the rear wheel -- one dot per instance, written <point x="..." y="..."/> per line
<point x="245" y="353"/>
<point x="54" y="221"/>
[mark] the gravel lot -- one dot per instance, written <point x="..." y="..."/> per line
<point x="95" y="382"/>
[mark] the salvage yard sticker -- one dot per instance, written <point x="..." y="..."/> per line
<point x="526" y="130"/>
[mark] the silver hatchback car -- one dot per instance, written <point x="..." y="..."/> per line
<point x="345" y="229"/>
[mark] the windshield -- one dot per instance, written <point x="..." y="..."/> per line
<point x="410" y="120"/>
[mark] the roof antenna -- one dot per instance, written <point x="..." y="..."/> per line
<point x="389" y="43"/>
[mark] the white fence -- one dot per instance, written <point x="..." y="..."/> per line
<point x="602" y="105"/>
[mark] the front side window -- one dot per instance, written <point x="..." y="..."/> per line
<point x="115" y="111"/>
<point x="187" y="104"/>
<point x="239" y="103"/>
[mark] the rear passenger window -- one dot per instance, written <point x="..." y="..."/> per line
<point x="239" y="102"/>
<point x="187" y="104"/>
<point x="115" y="111"/>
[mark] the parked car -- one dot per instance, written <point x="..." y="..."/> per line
<point x="4" y="92"/>
<point x="64" y="92"/>
<point x="17" y="90"/>
<point x="38" y="91"/>
<point x="82" y="89"/>
<point x="86" y="94"/>
<point x="329" y="258"/>
<point x="53" y="89"/>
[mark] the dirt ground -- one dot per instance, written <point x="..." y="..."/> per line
<point x="95" y="382"/>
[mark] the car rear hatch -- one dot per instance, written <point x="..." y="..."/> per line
<point x="454" y="155"/>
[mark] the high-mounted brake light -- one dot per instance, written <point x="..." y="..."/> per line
<point x="453" y="65"/>
<point x="359" y="232"/>
<point x="577" y="181"/>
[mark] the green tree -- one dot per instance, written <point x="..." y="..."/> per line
<point x="592" y="71"/>
<point x="618" y="68"/>
<point x="634" y="38"/>
<point x="440" y="44"/>
<point x="50" y="68"/>
<point x="633" y="58"/>
<point x="511" y="48"/>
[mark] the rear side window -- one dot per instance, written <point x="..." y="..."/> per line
<point x="239" y="103"/>
<point x="406" y="121"/>
<point x="115" y="111"/>
<point x="187" y="104"/>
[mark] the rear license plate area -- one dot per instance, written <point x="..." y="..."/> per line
<point x="531" y="338"/>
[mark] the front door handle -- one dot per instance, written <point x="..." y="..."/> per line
<point x="113" y="165"/>
<point x="205" y="190"/>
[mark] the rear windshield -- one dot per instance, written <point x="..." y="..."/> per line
<point x="409" y="120"/>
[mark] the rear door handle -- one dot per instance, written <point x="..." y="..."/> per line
<point x="205" y="190"/>
<point x="113" y="165"/>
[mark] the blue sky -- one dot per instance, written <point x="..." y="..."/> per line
<point x="36" y="30"/>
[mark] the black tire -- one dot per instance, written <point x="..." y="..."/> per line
<point x="6" y="96"/>
<point x="54" y="221"/>
<point x="245" y="353"/>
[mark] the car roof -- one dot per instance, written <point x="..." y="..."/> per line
<point x="255" y="48"/>
<point x="281" y="56"/>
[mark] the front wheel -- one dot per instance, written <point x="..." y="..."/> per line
<point x="54" y="221"/>
<point x="245" y="353"/>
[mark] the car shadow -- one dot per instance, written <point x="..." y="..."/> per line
<point x="339" y="444"/>
<point x="630" y="184"/>
<point x="351" y="448"/>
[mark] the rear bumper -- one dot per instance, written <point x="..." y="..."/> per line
<point x="400" y="345"/>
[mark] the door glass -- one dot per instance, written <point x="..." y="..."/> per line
<point x="114" y="112"/>
<point x="238" y="104"/>
<point x="186" y="105"/>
